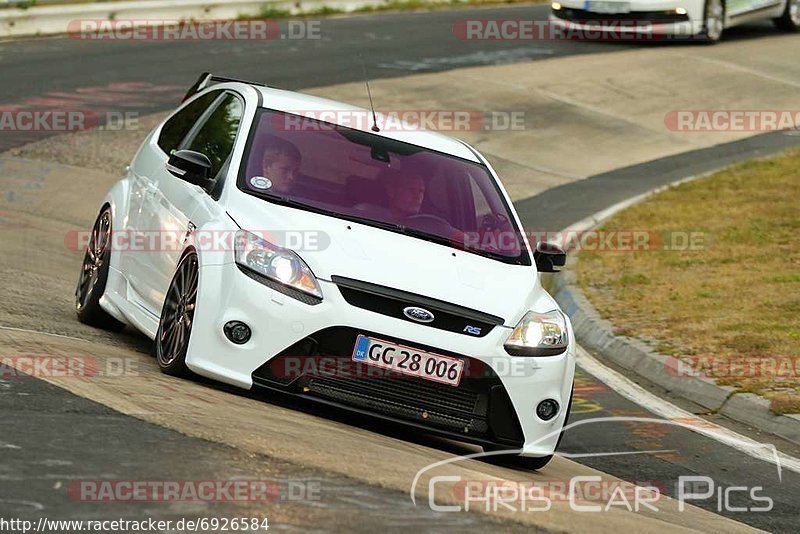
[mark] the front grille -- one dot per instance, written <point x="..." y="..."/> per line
<point x="434" y="406"/>
<point x="645" y="17"/>
<point x="320" y="366"/>
<point x="392" y="302"/>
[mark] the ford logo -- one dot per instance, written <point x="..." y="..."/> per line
<point x="421" y="315"/>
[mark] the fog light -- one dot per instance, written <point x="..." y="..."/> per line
<point x="547" y="409"/>
<point x="237" y="332"/>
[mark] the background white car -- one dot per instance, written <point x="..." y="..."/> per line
<point x="418" y="299"/>
<point x="674" y="18"/>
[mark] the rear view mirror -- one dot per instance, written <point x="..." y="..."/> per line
<point x="549" y="257"/>
<point x="192" y="167"/>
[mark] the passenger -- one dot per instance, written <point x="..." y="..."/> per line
<point x="281" y="164"/>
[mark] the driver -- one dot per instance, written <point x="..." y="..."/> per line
<point x="281" y="164"/>
<point x="405" y="195"/>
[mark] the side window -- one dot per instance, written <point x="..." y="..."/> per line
<point x="215" y="138"/>
<point x="176" y="128"/>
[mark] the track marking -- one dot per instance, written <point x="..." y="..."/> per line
<point x="652" y="403"/>
<point x="28" y="331"/>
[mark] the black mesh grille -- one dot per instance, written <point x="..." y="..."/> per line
<point x="644" y="17"/>
<point x="321" y="366"/>
<point x="392" y="302"/>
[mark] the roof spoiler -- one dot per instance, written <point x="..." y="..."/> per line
<point x="207" y="80"/>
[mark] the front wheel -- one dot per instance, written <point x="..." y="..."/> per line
<point x="790" y="20"/>
<point x="177" y="317"/>
<point x="94" y="275"/>
<point x="713" y="21"/>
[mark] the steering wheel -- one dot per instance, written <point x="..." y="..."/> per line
<point x="429" y="217"/>
<point x="494" y="221"/>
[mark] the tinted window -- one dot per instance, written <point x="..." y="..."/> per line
<point x="216" y="136"/>
<point x="176" y="128"/>
<point x="374" y="179"/>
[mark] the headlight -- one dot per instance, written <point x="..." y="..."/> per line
<point x="278" y="264"/>
<point x="539" y="334"/>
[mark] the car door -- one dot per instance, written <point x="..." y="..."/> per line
<point x="144" y="239"/>
<point x="213" y="135"/>
<point x="739" y="8"/>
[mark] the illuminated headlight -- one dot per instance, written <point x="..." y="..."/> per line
<point x="539" y="334"/>
<point x="278" y="264"/>
<point x="681" y="11"/>
<point x="556" y="6"/>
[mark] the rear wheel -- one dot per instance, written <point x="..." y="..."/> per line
<point x="94" y="275"/>
<point x="713" y="21"/>
<point x="177" y="317"/>
<point x="790" y="20"/>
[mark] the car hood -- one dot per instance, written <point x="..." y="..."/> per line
<point x="337" y="247"/>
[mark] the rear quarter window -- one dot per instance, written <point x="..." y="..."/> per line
<point x="177" y="126"/>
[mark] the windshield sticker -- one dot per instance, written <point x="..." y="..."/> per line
<point x="260" y="182"/>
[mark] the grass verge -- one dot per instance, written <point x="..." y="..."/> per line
<point x="732" y="305"/>
<point x="269" y="11"/>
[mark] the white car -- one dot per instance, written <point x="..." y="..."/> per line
<point x="706" y="19"/>
<point x="385" y="272"/>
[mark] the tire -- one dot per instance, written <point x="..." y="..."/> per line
<point x="94" y="275"/>
<point x="790" y="20"/>
<point x="713" y="21"/>
<point x="532" y="463"/>
<point x="177" y="318"/>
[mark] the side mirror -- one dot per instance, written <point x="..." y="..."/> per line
<point x="192" y="167"/>
<point x="549" y="258"/>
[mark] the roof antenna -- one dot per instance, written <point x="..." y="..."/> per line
<point x="371" y="105"/>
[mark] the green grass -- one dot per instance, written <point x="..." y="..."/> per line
<point x="269" y="11"/>
<point x="736" y="297"/>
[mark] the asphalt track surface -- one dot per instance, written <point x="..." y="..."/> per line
<point x="66" y="437"/>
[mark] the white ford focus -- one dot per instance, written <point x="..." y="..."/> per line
<point x="383" y="272"/>
<point x="674" y="18"/>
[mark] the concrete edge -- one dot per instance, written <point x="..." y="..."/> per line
<point x="634" y="356"/>
<point x="53" y="20"/>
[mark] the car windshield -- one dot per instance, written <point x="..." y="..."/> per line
<point x="368" y="178"/>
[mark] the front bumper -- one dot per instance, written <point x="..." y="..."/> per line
<point x="503" y="398"/>
<point x="645" y="19"/>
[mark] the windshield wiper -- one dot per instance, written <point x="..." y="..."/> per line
<point x="292" y="203"/>
<point x="392" y="227"/>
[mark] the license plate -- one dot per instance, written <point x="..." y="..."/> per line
<point x="598" y="6"/>
<point x="408" y="360"/>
